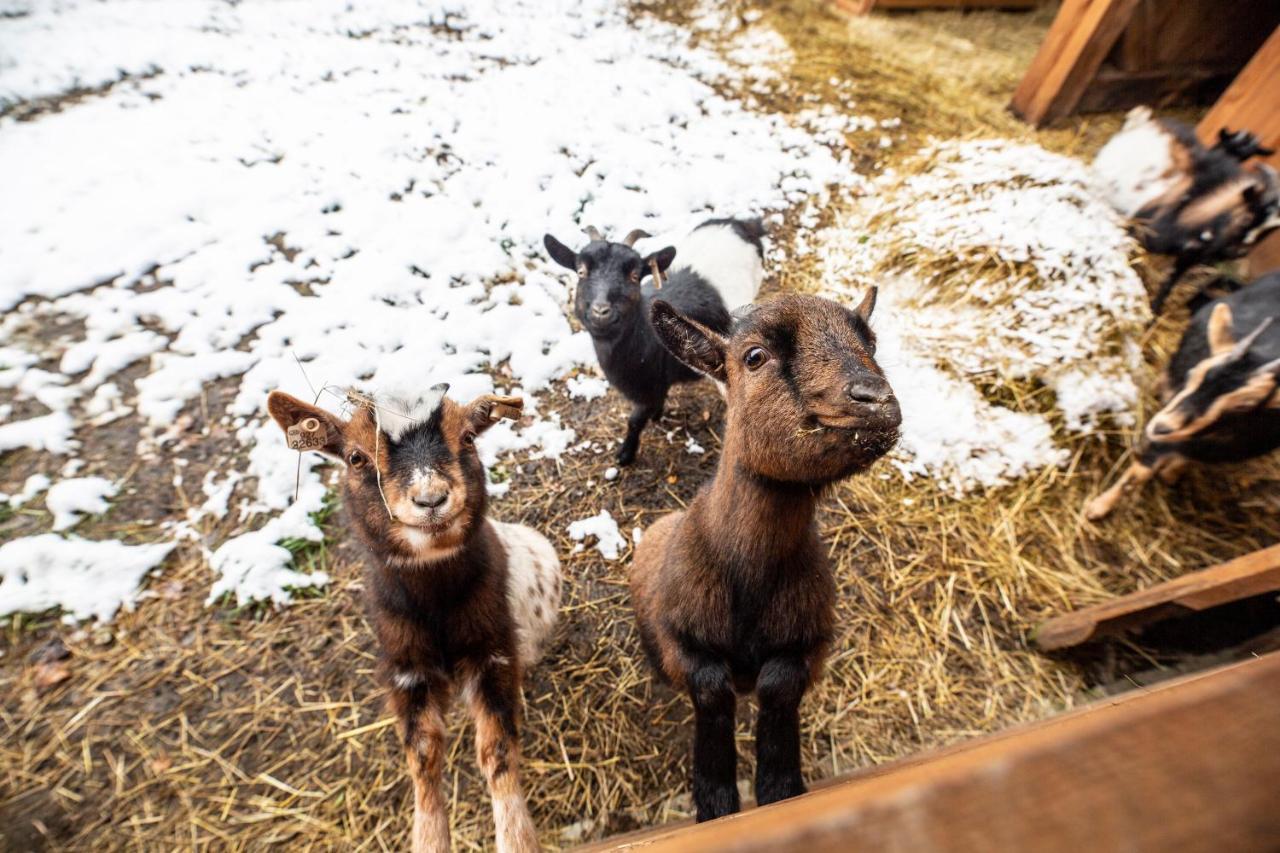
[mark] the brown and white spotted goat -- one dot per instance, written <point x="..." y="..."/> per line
<point x="460" y="603"/>
<point x="736" y="594"/>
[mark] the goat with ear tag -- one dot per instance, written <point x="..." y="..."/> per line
<point x="461" y="604"/>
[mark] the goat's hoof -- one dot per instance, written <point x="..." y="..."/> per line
<point x="1097" y="509"/>
<point x="626" y="456"/>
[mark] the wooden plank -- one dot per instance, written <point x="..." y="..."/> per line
<point x="1243" y="577"/>
<point x="862" y="7"/>
<point x="1190" y="765"/>
<point x="1114" y="90"/>
<point x="1080" y="37"/>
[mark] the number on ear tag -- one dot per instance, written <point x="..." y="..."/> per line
<point x="306" y="434"/>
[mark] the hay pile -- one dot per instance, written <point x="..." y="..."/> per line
<point x="184" y="727"/>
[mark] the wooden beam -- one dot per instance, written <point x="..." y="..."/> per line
<point x="1244" y="577"/>
<point x="1190" y="765"/>
<point x="1252" y="101"/>
<point x="1081" y="36"/>
<point x="863" y="7"/>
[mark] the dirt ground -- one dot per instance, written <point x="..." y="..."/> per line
<point x="186" y="726"/>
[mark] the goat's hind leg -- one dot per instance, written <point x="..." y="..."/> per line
<point x="715" y="754"/>
<point x="420" y="717"/>
<point x="495" y="704"/>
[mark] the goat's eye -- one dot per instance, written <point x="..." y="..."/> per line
<point x="582" y="270"/>
<point x="755" y="358"/>
<point x="356" y="459"/>
<point x="468" y="439"/>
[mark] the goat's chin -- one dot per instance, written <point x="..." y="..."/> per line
<point x="422" y="543"/>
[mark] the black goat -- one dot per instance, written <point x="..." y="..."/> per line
<point x="1219" y="391"/>
<point x="721" y="269"/>
<point x="1198" y="204"/>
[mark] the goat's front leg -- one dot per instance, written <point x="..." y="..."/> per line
<point x="1138" y="474"/>
<point x="779" y="688"/>
<point x="715" y="755"/>
<point x="641" y="414"/>
<point x="1180" y="267"/>
<point x="420" y="713"/>
<point x="495" y="704"/>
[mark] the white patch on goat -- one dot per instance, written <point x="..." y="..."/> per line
<point x="729" y="263"/>
<point x="423" y="544"/>
<point x="533" y="586"/>
<point x="398" y="414"/>
<point x="407" y="680"/>
<point x="1137" y="165"/>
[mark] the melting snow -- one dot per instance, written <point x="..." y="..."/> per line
<point x="70" y="500"/>
<point x="609" y="542"/>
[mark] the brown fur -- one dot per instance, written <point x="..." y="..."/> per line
<point x="438" y="601"/>
<point x="736" y="593"/>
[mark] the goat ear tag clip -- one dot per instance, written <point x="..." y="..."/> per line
<point x="306" y="434"/>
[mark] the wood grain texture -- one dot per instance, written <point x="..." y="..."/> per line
<point x="1079" y="39"/>
<point x="1191" y="765"/>
<point x="862" y="7"/>
<point x="1252" y="574"/>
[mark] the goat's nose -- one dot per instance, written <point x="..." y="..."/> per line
<point x="431" y="499"/>
<point x="869" y="390"/>
<point x="602" y="312"/>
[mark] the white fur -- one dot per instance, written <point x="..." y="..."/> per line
<point x="423" y="544"/>
<point x="1136" y="165"/>
<point x="397" y="415"/>
<point x="531" y="564"/>
<point x="407" y="680"/>
<point x="729" y="263"/>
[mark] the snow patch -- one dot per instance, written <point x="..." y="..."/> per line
<point x="71" y="500"/>
<point x="609" y="542"/>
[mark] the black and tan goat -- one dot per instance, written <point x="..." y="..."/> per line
<point x="1219" y="390"/>
<point x="460" y="604"/>
<point x="1197" y="204"/>
<point x="720" y="268"/>
<point x="736" y="594"/>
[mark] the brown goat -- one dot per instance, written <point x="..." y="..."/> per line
<point x="736" y="594"/>
<point x="458" y="602"/>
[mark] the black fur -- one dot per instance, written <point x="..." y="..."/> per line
<point x="612" y="304"/>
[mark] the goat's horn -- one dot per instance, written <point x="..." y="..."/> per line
<point x="1243" y="346"/>
<point x="593" y="233"/>
<point x="638" y="234"/>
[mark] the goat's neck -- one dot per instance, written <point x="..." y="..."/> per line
<point x="767" y="519"/>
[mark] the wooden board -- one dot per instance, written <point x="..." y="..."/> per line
<point x="1079" y="39"/>
<point x="1191" y="765"/>
<point x="1253" y="101"/>
<point x="1244" y="577"/>
<point x="863" y="7"/>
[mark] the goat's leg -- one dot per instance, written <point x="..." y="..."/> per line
<point x="495" y="704"/>
<point x="1133" y="479"/>
<point x="780" y="687"/>
<point x="715" y="755"/>
<point x="420" y="716"/>
<point x="641" y="414"/>
<point x="1180" y="267"/>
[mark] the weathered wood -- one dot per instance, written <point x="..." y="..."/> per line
<point x="1190" y="765"/>
<point x="1252" y="574"/>
<point x="1080" y="37"/>
<point x="1252" y="101"/>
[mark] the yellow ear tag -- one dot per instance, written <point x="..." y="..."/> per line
<point x="657" y="273"/>
<point x="306" y="434"/>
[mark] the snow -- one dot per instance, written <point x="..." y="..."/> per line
<point x="34" y="485"/>
<point x="587" y="387"/>
<point x="85" y="579"/>
<point x="609" y="542"/>
<point x="70" y="500"/>
<point x="1062" y="307"/>
<point x="352" y="188"/>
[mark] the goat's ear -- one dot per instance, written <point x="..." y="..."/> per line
<point x="1220" y="337"/>
<point x="868" y="304"/>
<point x="306" y="427"/>
<point x="662" y="257"/>
<point x="690" y="341"/>
<point x="487" y="409"/>
<point x="560" y="253"/>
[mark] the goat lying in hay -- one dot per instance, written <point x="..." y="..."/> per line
<point x="720" y="268"/>
<point x="458" y="602"/>
<point x="1219" y="392"/>
<point x="736" y="594"/>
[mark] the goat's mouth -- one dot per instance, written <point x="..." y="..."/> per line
<point x="882" y="418"/>
<point x="429" y="522"/>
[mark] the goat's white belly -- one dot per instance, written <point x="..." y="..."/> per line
<point x="533" y="586"/>
<point x="1136" y="166"/>
<point x="731" y="265"/>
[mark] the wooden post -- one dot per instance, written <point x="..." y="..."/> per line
<point x="1079" y="40"/>
<point x="1244" y="577"/>
<point x="1252" y="101"/>
<point x="863" y="7"/>
<point x="1190" y="765"/>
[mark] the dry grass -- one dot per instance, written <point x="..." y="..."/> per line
<point x="187" y="727"/>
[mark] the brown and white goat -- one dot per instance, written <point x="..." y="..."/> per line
<point x="736" y="594"/>
<point x="459" y="603"/>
